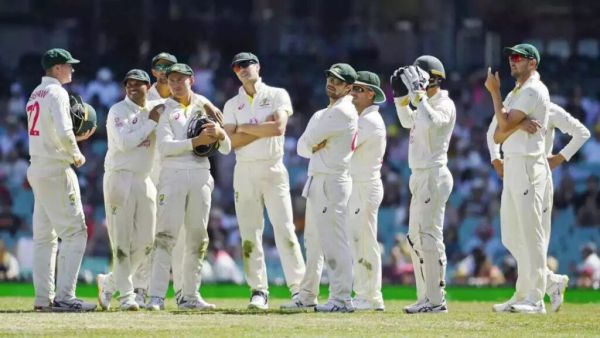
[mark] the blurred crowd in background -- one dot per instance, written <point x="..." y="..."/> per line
<point x="295" y="43"/>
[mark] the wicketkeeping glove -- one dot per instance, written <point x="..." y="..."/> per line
<point x="195" y="127"/>
<point x="398" y="88"/>
<point x="415" y="79"/>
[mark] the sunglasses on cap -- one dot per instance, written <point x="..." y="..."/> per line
<point x="242" y="64"/>
<point x="516" y="58"/>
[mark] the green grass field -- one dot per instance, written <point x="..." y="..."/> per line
<point x="579" y="317"/>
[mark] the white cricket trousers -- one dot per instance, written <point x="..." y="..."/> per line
<point x="524" y="233"/>
<point x="130" y="204"/>
<point x="430" y="189"/>
<point x="552" y="279"/>
<point x="363" y="206"/>
<point x="57" y="213"/>
<point x="141" y="277"/>
<point x="184" y="199"/>
<point x="326" y="237"/>
<point x="257" y="185"/>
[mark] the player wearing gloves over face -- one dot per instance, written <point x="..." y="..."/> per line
<point x="430" y="114"/>
<point x="184" y="190"/>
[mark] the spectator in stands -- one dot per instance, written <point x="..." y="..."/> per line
<point x="589" y="269"/>
<point x="591" y="149"/>
<point x="9" y="267"/>
<point x="588" y="203"/>
<point x="400" y="268"/>
<point x="107" y="90"/>
<point x="477" y="269"/>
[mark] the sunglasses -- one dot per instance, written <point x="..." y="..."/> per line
<point x="243" y="64"/>
<point x="359" y="89"/>
<point x="516" y="58"/>
<point x="161" y="68"/>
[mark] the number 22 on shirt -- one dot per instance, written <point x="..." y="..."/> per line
<point x="33" y="113"/>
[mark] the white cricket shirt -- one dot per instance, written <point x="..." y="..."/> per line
<point x="337" y="124"/>
<point x="242" y="109"/>
<point x="370" y="146"/>
<point x="174" y="147"/>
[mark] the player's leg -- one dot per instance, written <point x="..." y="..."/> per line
<point x="530" y="210"/>
<point x="334" y="235"/>
<point x="414" y="240"/>
<point x="66" y="214"/>
<point x="556" y="284"/>
<point x="309" y="286"/>
<point x="143" y="231"/>
<point x="514" y="181"/>
<point x="276" y="192"/>
<point x="249" y="207"/>
<point x="439" y="185"/>
<point x="196" y="241"/>
<point x="367" y="258"/>
<point x="45" y="245"/>
<point x="177" y="264"/>
<point x="172" y="194"/>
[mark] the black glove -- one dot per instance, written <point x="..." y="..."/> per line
<point x="195" y="127"/>
<point x="398" y="87"/>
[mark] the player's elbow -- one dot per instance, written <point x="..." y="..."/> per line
<point x="585" y="134"/>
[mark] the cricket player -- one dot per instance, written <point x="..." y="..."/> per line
<point x="184" y="191"/>
<point x="558" y="119"/>
<point x="158" y="91"/>
<point x="431" y="122"/>
<point x="129" y="194"/>
<point x="256" y="119"/>
<point x="328" y="141"/>
<point x="367" y="192"/>
<point x="526" y="172"/>
<point x="57" y="211"/>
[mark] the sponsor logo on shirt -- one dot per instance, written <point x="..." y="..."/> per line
<point x="134" y="121"/>
<point x="240" y="107"/>
<point x="264" y="102"/>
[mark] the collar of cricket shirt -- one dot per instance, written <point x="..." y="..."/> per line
<point x="369" y="109"/>
<point x="259" y="86"/>
<point x="50" y="79"/>
<point x="134" y="105"/>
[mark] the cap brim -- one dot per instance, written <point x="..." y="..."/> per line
<point x="242" y="60"/>
<point x="135" y="78"/>
<point x="334" y="74"/>
<point x="511" y="50"/>
<point x="72" y="61"/>
<point x="379" y="94"/>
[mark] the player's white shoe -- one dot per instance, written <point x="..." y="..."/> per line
<point x="504" y="307"/>
<point x="529" y="307"/>
<point x="259" y="301"/>
<point x="73" y="305"/>
<point x="411" y="308"/>
<point x="129" y="304"/>
<point x="557" y="293"/>
<point x="428" y="307"/>
<point x="104" y="295"/>
<point x="332" y="306"/>
<point x="297" y="305"/>
<point x="155" y="304"/>
<point x="365" y="305"/>
<point x="195" y="303"/>
<point x="140" y="297"/>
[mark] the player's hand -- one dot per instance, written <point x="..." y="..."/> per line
<point x="499" y="167"/>
<point x="155" y="113"/>
<point x="492" y="82"/>
<point x="398" y="87"/>
<point x="319" y="146"/>
<point x="270" y="118"/>
<point x="214" y="112"/>
<point x="214" y="130"/>
<point x="85" y="135"/>
<point x="203" y="139"/>
<point x="530" y="126"/>
<point x="78" y="160"/>
<point x="555" y="160"/>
